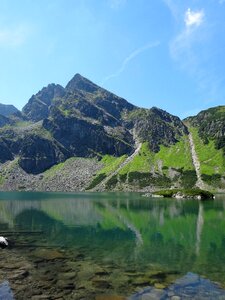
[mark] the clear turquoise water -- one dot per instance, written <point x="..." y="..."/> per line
<point x="127" y="232"/>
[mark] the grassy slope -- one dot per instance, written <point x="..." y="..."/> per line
<point x="111" y="164"/>
<point x="141" y="162"/>
<point x="177" y="156"/>
<point x="212" y="160"/>
<point x="142" y="167"/>
<point x="56" y="168"/>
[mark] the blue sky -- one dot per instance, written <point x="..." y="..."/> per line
<point x="164" y="53"/>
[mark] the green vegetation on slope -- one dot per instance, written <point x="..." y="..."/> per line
<point x="177" y="156"/>
<point x="53" y="170"/>
<point x="138" y="171"/>
<point x="111" y="164"/>
<point x="149" y="168"/>
<point x="169" y="166"/>
<point x="212" y="160"/>
<point x="141" y="162"/>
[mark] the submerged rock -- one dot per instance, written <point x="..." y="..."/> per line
<point x="101" y="283"/>
<point x="110" y="297"/>
<point x="5" y="291"/>
<point x="191" y="285"/>
<point x="48" y="254"/>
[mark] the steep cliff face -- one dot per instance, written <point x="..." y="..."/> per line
<point x="5" y="153"/>
<point x="83" y="138"/>
<point x="38" y="154"/>
<point x="155" y="126"/>
<point x="38" y="105"/>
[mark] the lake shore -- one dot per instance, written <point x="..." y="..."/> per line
<point x="197" y="194"/>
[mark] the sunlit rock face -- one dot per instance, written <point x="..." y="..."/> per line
<point x="83" y="120"/>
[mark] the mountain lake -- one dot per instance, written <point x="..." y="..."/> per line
<point x="111" y="246"/>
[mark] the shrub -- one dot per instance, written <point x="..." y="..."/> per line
<point x="188" y="178"/>
<point x="111" y="183"/>
<point x="96" y="180"/>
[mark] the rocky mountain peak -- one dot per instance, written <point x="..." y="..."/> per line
<point x="79" y="82"/>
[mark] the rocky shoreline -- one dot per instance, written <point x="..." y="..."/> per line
<point x="195" y="194"/>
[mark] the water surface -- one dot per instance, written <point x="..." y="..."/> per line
<point x="88" y="245"/>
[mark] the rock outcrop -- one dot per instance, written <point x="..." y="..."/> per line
<point x="38" y="105"/>
<point x="7" y="109"/>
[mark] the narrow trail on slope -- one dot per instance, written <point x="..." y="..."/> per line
<point x="196" y="162"/>
<point x="101" y="185"/>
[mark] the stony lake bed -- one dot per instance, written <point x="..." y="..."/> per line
<point x="111" y="246"/>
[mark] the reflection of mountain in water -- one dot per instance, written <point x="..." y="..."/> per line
<point x="169" y="233"/>
<point x="69" y="211"/>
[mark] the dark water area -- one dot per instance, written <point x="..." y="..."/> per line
<point x="112" y="246"/>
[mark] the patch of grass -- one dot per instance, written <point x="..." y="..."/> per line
<point x="58" y="168"/>
<point x="41" y="131"/>
<point x="111" y="163"/>
<point x="53" y="170"/>
<point x="141" y="162"/>
<point x="176" y="156"/>
<point x="22" y="123"/>
<point x="139" y="113"/>
<point x="2" y="179"/>
<point x="211" y="159"/>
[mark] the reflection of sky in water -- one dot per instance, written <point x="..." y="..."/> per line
<point x="127" y="228"/>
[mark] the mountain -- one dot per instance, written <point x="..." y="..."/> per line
<point x="66" y="132"/>
<point x="7" y="110"/>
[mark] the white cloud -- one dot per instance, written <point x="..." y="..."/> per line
<point x="193" y="18"/>
<point x="13" y="37"/>
<point x="189" y="50"/>
<point x="129" y="58"/>
<point x="181" y="45"/>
